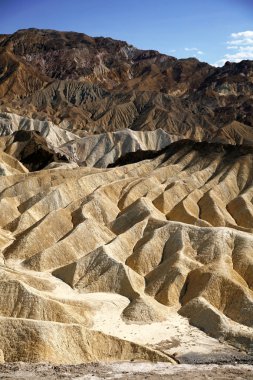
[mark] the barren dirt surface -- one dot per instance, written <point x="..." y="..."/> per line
<point x="126" y="370"/>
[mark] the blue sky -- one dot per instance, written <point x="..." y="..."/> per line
<point x="213" y="31"/>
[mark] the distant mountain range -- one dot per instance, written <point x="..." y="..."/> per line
<point x="94" y="85"/>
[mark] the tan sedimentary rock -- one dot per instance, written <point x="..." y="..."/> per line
<point x="33" y="341"/>
<point x="168" y="233"/>
<point x="29" y="140"/>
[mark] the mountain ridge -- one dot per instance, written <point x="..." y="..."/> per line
<point x="139" y="89"/>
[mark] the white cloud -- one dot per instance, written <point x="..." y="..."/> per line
<point x="248" y="33"/>
<point x="245" y="48"/>
<point x="191" y="49"/>
<point x="172" y="51"/>
<point x="245" y="41"/>
<point x="242" y="45"/>
<point x="200" y="52"/>
<point x="220" y="62"/>
<point x="239" y="56"/>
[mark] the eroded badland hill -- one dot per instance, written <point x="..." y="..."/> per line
<point x="126" y="214"/>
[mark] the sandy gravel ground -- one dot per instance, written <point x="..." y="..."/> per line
<point x="174" y="336"/>
<point x="126" y="370"/>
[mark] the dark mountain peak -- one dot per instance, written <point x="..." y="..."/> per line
<point x="50" y="74"/>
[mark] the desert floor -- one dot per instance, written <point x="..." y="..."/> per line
<point x="127" y="370"/>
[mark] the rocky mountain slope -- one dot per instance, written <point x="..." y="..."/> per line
<point x="95" y="85"/>
<point x="126" y="214"/>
